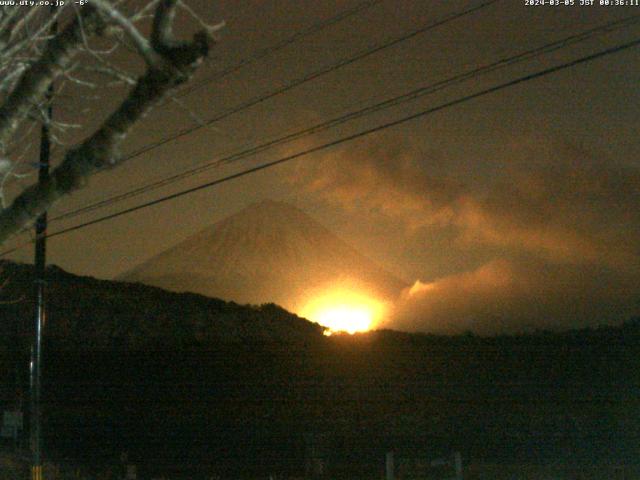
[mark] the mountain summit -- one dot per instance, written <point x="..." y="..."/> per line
<point x="268" y="252"/>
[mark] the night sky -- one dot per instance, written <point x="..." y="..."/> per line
<point x="519" y="209"/>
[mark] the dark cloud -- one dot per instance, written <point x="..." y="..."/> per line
<point x="509" y="296"/>
<point x="560" y="227"/>
<point x="557" y="201"/>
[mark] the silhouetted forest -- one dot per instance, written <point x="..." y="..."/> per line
<point x="181" y="379"/>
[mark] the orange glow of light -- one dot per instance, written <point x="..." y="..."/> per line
<point x="343" y="311"/>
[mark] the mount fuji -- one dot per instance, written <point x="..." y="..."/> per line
<point x="270" y="252"/>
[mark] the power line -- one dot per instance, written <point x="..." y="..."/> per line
<point x="314" y="75"/>
<point x="369" y="131"/>
<point x="412" y="95"/>
<point x="309" y="77"/>
<point x="315" y="28"/>
<point x="260" y="54"/>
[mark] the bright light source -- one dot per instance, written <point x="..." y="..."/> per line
<point x="343" y="310"/>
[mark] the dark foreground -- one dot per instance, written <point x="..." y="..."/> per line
<point x="192" y="387"/>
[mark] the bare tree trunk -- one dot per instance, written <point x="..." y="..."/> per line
<point x="169" y="64"/>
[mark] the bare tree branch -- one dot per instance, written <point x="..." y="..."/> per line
<point x="139" y="41"/>
<point x="35" y="81"/>
<point x="118" y="75"/>
<point x="178" y="61"/>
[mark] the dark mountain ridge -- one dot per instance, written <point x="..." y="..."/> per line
<point x="88" y="313"/>
<point x="184" y="379"/>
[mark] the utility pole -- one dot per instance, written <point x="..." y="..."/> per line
<point x="35" y="370"/>
<point x="35" y="373"/>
